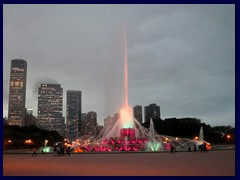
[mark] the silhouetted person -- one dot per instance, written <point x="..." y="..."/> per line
<point x="43" y="151"/>
<point x="194" y="148"/>
<point x="205" y="147"/>
<point x="34" y="152"/>
<point x="68" y="151"/>
<point x="189" y="148"/>
<point x="201" y="147"/>
<point x="62" y="150"/>
<point x="58" y="150"/>
<point x="171" y="148"/>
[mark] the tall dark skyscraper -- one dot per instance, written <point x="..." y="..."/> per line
<point x="17" y="92"/>
<point x="91" y="123"/>
<point x="152" y="111"/>
<point x="50" y="98"/>
<point x="74" y="106"/>
<point x="138" y="113"/>
<point x="83" y="124"/>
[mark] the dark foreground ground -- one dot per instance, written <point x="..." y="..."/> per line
<point x="214" y="163"/>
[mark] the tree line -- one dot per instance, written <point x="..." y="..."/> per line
<point x="190" y="128"/>
<point x="28" y="137"/>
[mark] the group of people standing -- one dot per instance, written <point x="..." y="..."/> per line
<point x="61" y="150"/>
<point x="202" y="147"/>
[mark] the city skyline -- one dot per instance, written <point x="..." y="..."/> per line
<point x="180" y="57"/>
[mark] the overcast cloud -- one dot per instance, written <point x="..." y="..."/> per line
<point x="181" y="57"/>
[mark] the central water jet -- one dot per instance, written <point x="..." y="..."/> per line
<point x="126" y="114"/>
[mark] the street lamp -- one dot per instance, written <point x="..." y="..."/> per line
<point x="29" y="141"/>
<point x="46" y="141"/>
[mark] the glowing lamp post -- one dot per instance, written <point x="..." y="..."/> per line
<point x="46" y="141"/>
<point x="29" y="141"/>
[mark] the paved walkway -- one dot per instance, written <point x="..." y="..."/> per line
<point x="214" y="163"/>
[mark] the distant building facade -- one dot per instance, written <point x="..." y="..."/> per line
<point x="110" y="121"/>
<point x="17" y="92"/>
<point x="107" y="121"/>
<point x="91" y="123"/>
<point x="138" y="113"/>
<point x="83" y="124"/>
<point x="50" y="102"/>
<point x="99" y="128"/>
<point x="30" y="119"/>
<point x="74" y="108"/>
<point x="152" y="111"/>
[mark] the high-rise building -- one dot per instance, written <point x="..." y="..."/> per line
<point x="138" y="113"/>
<point x="152" y="111"/>
<point x="50" y="98"/>
<point x="107" y="121"/>
<point x="91" y="123"/>
<point x="17" y="92"/>
<point x="110" y="121"/>
<point x="73" y="114"/>
<point x="83" y="124"/>
<point x="30" y="120"/>
<point x="99" y="128"/>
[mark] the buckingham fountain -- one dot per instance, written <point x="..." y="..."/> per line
<point x="127" y="134"/>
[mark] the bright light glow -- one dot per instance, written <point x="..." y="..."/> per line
<point x="126" y="117"/>
<point x="196" y="137"/>
<point x="28" y="141"/>
<point x="46" y="149"/>
<point x="154" y="146"/>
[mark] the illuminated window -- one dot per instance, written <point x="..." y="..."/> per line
<point x="17" y="83"/>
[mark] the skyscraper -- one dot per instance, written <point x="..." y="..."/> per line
<point x="17" y="92"/>
<point x="138" y="113"/>
<point x="110" y="121"/>
<point x="73" y="114"/>
<point x="91" y="123"/>
<point x="50" y="98"/>
<point x="152" y="111"/>
<point x="83" y="124"/>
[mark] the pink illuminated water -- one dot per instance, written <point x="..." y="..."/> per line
<point x="126" y="114"/>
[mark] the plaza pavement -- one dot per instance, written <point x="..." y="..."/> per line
<point x="214" y="163"/>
